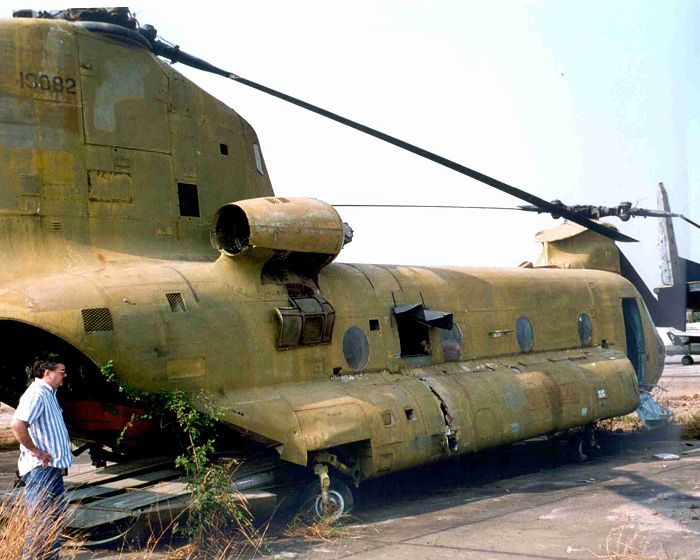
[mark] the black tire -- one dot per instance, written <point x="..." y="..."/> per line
<point x="687" y="360"/>
<point x="582" y="446"/>
<point x="577" y="451"/>
<point x="340" y="497"/>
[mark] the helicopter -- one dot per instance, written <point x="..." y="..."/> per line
<point x="140" y="226"/>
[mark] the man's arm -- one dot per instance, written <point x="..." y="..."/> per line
<point x="21" y="431"/>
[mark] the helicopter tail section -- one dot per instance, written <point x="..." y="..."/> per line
<point x="668" y="309"/>
<point x="680" y="277"/>
<point x="670" y="261"/>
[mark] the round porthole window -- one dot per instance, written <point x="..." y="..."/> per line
<point x="451" y="342"/>
<point x="585" y="329"/>
<point x="355" y="348"/>
<point x="525" y="334"/>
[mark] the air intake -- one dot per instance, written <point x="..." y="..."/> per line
<point x="97" y="319"/>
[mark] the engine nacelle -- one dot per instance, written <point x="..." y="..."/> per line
<point x="290" y="225"/>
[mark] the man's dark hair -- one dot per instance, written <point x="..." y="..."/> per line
<point x="46" y="360"/>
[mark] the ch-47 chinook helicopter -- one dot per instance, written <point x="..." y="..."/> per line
<point x="119" y="175"/>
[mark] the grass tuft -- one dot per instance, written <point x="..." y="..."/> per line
<point x="307" y="526"/>
<point x="626" y="544"/>
<point x="690" y="425"/>
<point x="15" y="527"/>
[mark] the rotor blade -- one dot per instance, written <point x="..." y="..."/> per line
<point x="446" y="206"/>
<point x="689" y="221"/>
<point x="529" y="208"/>
<point x="176" y="55"/>
<point x="647" y="213"/>
<point x="483" y="178"/>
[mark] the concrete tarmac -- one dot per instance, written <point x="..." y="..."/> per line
<point x="527" y="502"/>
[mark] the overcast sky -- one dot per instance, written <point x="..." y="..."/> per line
<point x="587" y="102"/>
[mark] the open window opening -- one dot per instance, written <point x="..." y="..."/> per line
<point x="188" y="199"/>
<point x="414" y="322"/>
<point x="634" y="335"/>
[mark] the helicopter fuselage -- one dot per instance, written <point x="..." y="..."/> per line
<point x="114" y="166"/>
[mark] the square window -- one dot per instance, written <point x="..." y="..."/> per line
<point x="188" y="199"/>
<point x="223" y="148"/>
<point x="258" y="159"/>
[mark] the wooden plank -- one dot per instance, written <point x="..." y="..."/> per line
<point x="104" y="476"/>
<point x="117" y="471"/>
<point x="123" y="484"/>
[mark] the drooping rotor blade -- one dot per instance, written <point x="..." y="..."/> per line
<point x="682" y="217"/>
<point x="590" y="212"/>
<point x="661" y="214"/>
<point x="441" y="206"/>
<point x="176" y="55"/>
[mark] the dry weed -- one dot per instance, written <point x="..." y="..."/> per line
<point x="217" y="541"/>
<point x="630" y="422"/>
<point x="690" y="425"/>
<point x="308" y="527"/>
<point x="15" y="527"/>
<point x="626" y="544"/>
<point x="221" y="544"/>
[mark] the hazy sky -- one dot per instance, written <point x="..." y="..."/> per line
<point x="587" y="102"/>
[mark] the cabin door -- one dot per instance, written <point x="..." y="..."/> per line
<point x="635" y="337"/>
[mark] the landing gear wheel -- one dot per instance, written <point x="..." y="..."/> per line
<point x="583" y="444"/>
<point x="687" y="360"/>
<point x="340" y="500"/>
<point x="580" y="455"/>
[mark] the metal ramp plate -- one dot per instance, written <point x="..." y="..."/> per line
<point x="123" y="506"/>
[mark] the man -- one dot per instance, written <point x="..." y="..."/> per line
<point x="45" y="452"/>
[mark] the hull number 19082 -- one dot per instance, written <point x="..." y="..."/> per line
<point x="44" y="82"/>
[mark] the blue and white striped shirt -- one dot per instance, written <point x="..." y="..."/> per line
<point x="40" y="409"/>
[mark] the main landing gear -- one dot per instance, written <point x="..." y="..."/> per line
<point x="583" y="443"/>
<point x="328" y="499"/>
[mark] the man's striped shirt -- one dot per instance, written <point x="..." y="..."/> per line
<point x="40" y="409"/>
